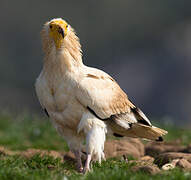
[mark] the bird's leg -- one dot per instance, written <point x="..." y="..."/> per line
<point x="79" y="161"/>
<point x="87" y="163"/>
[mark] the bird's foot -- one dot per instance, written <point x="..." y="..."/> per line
<point x="79" y="165"/>
<point x="86" y="170"/>
<point x="87" y="164"/>
<point x="80" y="169"/>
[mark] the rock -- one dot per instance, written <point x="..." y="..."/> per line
<point x="147" y="159"/>
<point x="150" y="169"/>
<point x="184" y="164"/>
<point x="69" y="156"/>
<point x="187" y="149"/>
<point x="164" y="158"/>
<point x="174" y="162"/>
<point x="137" y="143"/>
<point x="155" y="148"/>
<point x="125" y="146"/>
<point x="143" y="161"/>
<point x="171" y="165"/>
<point x="145" y="164"/>
<point x="4" y="151"/>
<point x="31" y="152"/>
<point x="113" y="148"/>
<point x="168" y="166"/>
<point x="181" y="163"/>
<point x="65" y="156"/>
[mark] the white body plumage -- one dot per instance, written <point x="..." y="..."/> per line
<point x="77" y="97"/>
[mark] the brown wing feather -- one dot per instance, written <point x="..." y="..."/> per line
<point x="100" y="87"/>
<point x="102" y="94"/>
<point x="106" y="100"/>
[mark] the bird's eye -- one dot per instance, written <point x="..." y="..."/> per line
<point x="50" y="26"/>
<point x="67" y="26"/>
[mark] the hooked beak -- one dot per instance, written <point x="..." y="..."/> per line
<point x="61" y="31"/>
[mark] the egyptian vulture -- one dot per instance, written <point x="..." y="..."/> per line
<point x="84" y="103"/>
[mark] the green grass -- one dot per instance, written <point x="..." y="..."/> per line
<point x="25" y="131"/>
<point x="17" y="167"/>
<point x="184" y="135"/>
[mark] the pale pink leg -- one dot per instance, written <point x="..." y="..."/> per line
<point x="79" y="161"/>
<point x="87" y="164"/>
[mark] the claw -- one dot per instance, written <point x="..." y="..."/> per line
<point x="79" y="161"/>
<point x="86" y="170"/>
<point x="80" y="169"/>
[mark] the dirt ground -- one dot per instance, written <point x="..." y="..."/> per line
<point x="151" y="157"/>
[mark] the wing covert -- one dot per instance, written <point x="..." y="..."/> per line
<point x="101" y="93"/>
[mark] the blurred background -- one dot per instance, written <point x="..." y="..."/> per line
<point x="145" y="45"/>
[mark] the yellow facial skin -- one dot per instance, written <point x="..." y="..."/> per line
<point x="58" y="30"/>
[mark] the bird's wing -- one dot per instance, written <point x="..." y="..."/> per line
<point x="102" y="96"/>
<point x="41" y="92"/>
<point x="39" y="86"/>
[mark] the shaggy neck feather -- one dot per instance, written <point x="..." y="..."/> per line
<point x="68" y="57"/>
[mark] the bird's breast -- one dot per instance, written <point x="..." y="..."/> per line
<point x="63" y="107"/>
<point x="58" y="97"/>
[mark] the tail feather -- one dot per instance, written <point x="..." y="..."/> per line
<point x="141" y="131"/>
<point x="162" y="132"/>
<point x="147" y="132"/>
<point x="134" y="124"/>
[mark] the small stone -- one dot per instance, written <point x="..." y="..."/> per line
<point x="126" y="146"/>
<point x="184" y="164"/>
<point x="174" y="162"/>
<point x="69" y="156"/>
<point x="156" y="148"/>
<point x="147" y="159"/>
<point x="32" y="152"/>
<point x="168" y="166"/>
<point x="165" y="158"/>
<point x="150" y="169"/>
